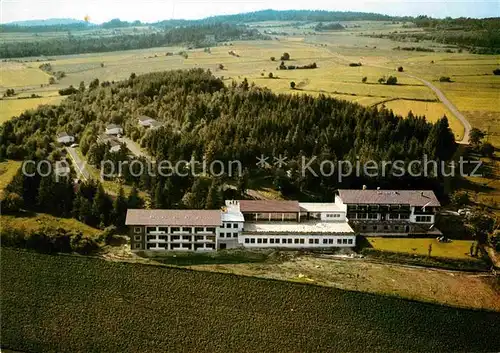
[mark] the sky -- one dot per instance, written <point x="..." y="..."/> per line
<point x="155" y="10"/>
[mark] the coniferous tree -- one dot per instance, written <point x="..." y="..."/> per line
<point x="119" y="209"/>
<point x="134" y="200"/>
<point x="101" y="207"/>
<point x="214" y="196"/>
<point x="45" y="196"/>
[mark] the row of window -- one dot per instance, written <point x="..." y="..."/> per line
<point x="270" y="216"/>
<point x="176" y="237"/>
<point x="176" y="229"/>
<point x="377" y="207"/>
<point x="176" y="246"/>
<point x="386" y="227"/>
<point x="423" y="219"/>
<point x="332" y="215"/>
<point x="375" y="216"/>
<point x="228" y="235"/>
<point x="325" y="241"/>
<point x="228" y="225"/>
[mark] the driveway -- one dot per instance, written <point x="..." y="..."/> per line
<point x="449" y="105"/>
<point x="133" y="147"/>
<point x="78" y="163"/>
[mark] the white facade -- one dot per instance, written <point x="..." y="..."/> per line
<point x="146" y="122"/>
<point x="115" y="148"/>
<point x="317" y="225"/>
<point x="389" y="218"/>
<point x="114" y="130"/>
<point x="233" y="223"/>
<point x="302" y="241"/>
<point x="162" y="238"/>
<point x="421" y="218"/>
<point x="66" y="139"/>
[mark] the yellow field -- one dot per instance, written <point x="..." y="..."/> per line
<point x="17" y="75"/>
<point x="457" y="249"/>
<point x="13" y="107"/>
<point x="41" y="220"/>
<point x="433" y="111"/>
<point x="7" y="171"/>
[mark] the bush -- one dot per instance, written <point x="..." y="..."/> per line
<point x="391" y="80"/>
<point x="381" y="80"/>
<point x="68" y="91"/>
<point x="292" y="85"/>
<point x="444" y="79"/>
<point x="400" y="69"/>
<point x="271" y="75"/>
<point x="364" y="79"/>
<point x="496" y="71"/>
<point x="11" y="203"/>
<point x="49" y="240"/>
<point x="487" y="149"/>
<point x="108" y="234"/>
<point x="285" y="56"/>
<point x="273" y="58"/>
<point x="355" y="64"/>
<point x="460" y="198"/>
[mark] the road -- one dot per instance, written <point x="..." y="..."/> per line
<point x="78" y="163"/>
<point x="133" y="147"/>
<point x="449" y="105"/>
<point x="453" y="109"/>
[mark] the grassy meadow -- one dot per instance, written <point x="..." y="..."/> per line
<point x="33" y="222"/>
<point x="8" y="170"/>
<point x="73" y="303"/>
<point x="13" y="107"/>
<point x="457" y="249"/>
<point x="433" y="111"/>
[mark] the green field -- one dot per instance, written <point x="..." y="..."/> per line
<point x="457" y="249"/>
<point x="13" y="107"/>
<point x="433" y="111"/>
<point x="8" y="170"/>
<point x="72" y="304"/>
<point x="41" y="220"/>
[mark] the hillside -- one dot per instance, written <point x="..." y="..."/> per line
<point x="69" y="304"/>
<point x="47" y="22"/>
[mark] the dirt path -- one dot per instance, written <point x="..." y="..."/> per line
<point x="78" y="163"/>
<point x="453" y="109"/>
<point x="449" y="105"/>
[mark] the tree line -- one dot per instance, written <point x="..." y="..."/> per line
<point x="70" y="44"/>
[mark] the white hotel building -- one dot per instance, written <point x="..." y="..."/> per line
<point x="245" y="223"/>
<point x="286" y="224"/>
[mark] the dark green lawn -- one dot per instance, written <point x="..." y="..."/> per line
<point x="78" y="304"/>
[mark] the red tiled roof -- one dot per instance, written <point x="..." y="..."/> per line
<point x="174" y="217"/>
<point x="254" y="206"/>
<point x="390" y="197"/>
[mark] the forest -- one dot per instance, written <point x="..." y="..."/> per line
<point x="71" y="44"/>
<point x="202" y="119"/>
